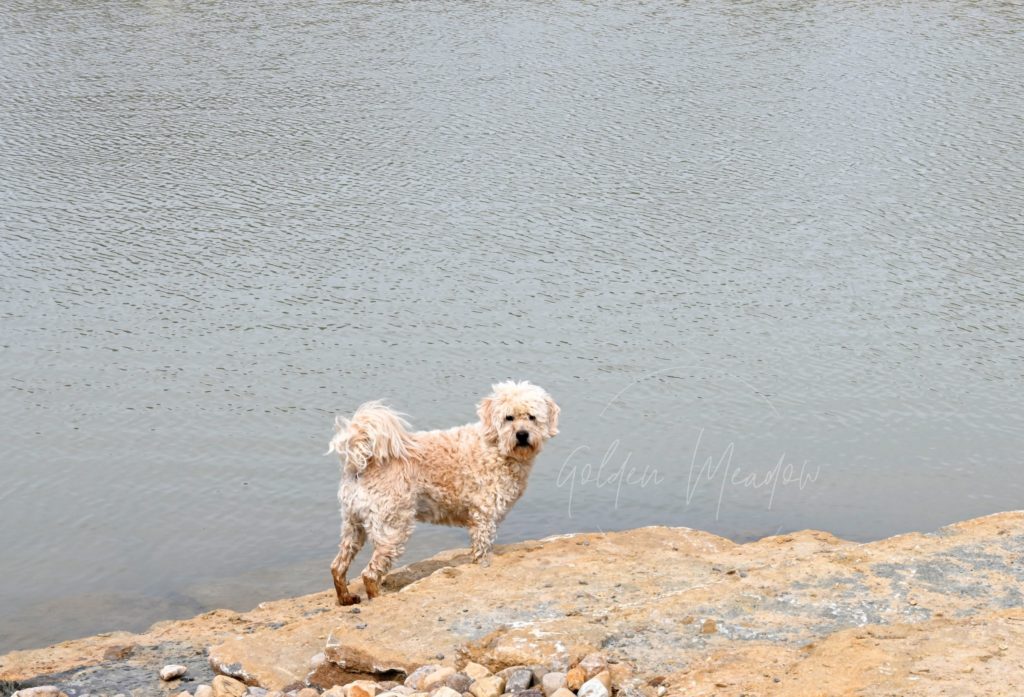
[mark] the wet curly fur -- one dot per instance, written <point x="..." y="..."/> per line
<point x="468" y="476"/>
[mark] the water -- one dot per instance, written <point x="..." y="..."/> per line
<point x="783" y="236"/>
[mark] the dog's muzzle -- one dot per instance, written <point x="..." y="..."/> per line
<point x="522" y="438"/>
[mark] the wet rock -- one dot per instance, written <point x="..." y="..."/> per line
<point x="437" y="678"/>
<point x="223" y="686"/>
<point x="459" y="682"/>
<point x="552" y="682"/>
<point x="172" y="672"/>
<point x="476" y="671"/>
<point x="416" y="678"/>
<point x="491" y="686"/>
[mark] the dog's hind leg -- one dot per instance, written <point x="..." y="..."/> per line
<point x="353" y="537"/>
<point x="388" y="540"/>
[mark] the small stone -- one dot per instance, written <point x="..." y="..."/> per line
<point x="223" y="686"/>
<point x="708" y="627"/>
<point x="445" y="691"/>
<point x="594" y="687"/>
<point x="662" y="690"/>
<point x="172" y="672"/>
<point x="416" y="677"/>
<point x="204" y="691"/>
<point x="532" y="692"/>
<point x="336" y="691"/>
<point x="275" y="693"/>
<point x="563" y="692"/>
<point x="552" y="683"/>
<point x="256" y="692"/>
<point x="518" y="679"/>
<point x="459" y="682"/>
<point x="402" y="690"/>
<point x="436" y="679"/>
<point x="475" y="671"/>
<point x="593" y="664"/>
<point x="307" y="692"/>
<point x="539" y="671"/>
<point x="491" y="686"/>
<point x="184" y="693"/>
<point x="41" y="691"/>
<point x="361" y="688"/>
<point x="575" y="678"/>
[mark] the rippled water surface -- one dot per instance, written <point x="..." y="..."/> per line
<point x="771" y="252"/>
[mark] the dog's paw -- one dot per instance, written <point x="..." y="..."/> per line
<point x="348" y="599"/>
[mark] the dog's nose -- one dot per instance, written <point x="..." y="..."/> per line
<point x="523" y="437"/>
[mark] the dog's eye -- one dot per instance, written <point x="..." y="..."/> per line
<point x="532" y="417"/>
<point x="510" y="418"/>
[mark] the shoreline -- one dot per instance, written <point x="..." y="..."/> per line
<point x="697" y="612"/>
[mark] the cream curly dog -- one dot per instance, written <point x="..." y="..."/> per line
<point x="469" y="476"/>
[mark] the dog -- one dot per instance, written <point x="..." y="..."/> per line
<point x="468" y="476"/>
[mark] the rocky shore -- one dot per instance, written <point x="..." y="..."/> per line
<point x="654" y="611"/>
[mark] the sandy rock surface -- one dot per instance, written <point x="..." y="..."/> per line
<point x="675" y="610"/>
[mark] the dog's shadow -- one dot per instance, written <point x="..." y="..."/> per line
<point x="402" y="577"/>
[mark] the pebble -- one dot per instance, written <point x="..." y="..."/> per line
<point x="552" y="682"/>
<point x="539" y="671"/>
<point x="459" y="682"/>
<point x="445" y="691"/>
<point x="361" y="688"/>
<point x="307" y="692"/>
<point x="518" y="679"/>
<point x="594" y="688"/>
<point x="575" y="678"/>
<point x="593" y="664"/>
<point x="532" y="692"/>
<point x="41" y="691"/>
<point x="184" y="693"/>
<point x="402" y="690"/>
<point x="436" y="679"/>
<point x="416" y="677"/>
<point x="223" y="686"/>
<point x="256" y="692"/>
<point x="708" y="627"/>
<point x="172" y="672"/>
<point x="491" y="686"/>
<point x="204" y="691"/>
<point x="563" y="692"/>
<point x="475" y="671"/>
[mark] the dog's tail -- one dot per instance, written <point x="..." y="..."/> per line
<point x="375" y="435"/>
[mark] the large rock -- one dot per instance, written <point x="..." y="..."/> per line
<point x="797" y="614"/>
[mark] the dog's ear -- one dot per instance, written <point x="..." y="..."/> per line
<point x="488" y="419"/>
<point x="553" y="411"/>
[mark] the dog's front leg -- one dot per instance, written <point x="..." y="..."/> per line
<point x="482" y="533"/>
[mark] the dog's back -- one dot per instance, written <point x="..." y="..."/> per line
<point x="374" y="436"/>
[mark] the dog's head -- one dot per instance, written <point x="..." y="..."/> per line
<point x="518" y="417"/>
